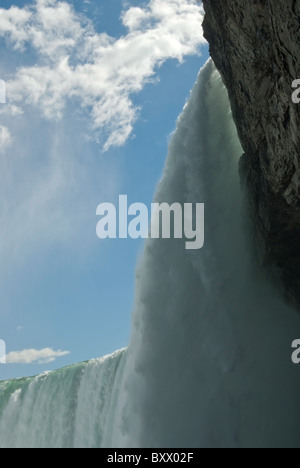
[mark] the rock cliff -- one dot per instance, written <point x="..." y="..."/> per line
<point x="255" y="44"/>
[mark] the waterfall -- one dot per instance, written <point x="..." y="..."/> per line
<point x="70" y="407"/>
<point x="209" y="361"/>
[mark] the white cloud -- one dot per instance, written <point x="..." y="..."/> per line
<point x="52" y="178"/>
<point x="101" y="72"/>
<point x="5" y="138"/>
<point x="31" y="356"/>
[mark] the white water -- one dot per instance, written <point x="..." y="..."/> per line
<point x="209" y="363"/>
<point x="71" y="407"/>
<point x="210" y="352"/>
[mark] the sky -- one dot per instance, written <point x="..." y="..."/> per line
<point x="93" y="91"/>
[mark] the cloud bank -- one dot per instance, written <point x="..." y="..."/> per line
<point x="101" y="72"/>
<point x="31" y="356"/>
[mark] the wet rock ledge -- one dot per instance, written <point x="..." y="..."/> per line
<point x="255" y="44"/>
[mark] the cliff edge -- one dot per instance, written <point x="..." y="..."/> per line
<point x="256" y="47"/>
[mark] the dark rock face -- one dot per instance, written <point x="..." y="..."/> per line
<point x="255" y="44"/>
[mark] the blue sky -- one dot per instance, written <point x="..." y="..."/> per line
<point x="94" y="89"/>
